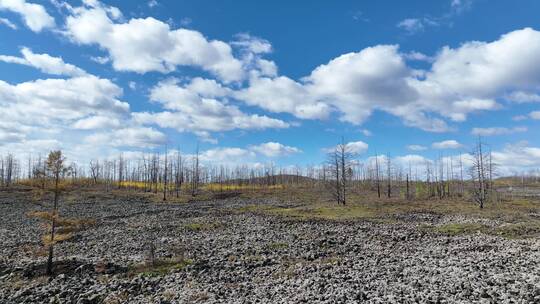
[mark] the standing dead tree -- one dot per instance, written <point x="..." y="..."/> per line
<point x="340" y="163"/>
<point x="8" y="170"/>
<point x="165" y="172"/>
<point x="389" y="175"/>
<point x="378" y="180"/>
<point x="195" y="175"/>
<point x="178" y="174"/>
<point x="480" y="174"/>
<point x="94" y="171"/>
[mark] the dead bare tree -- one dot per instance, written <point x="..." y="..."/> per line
<point x="340" y="162"/>
<point x="389" y="175"/>
<point x="377" y="175"/>
<point x="178" y="176"/>
<point x="94" y="171"/>
<point x="479" y="172"/>
<point x="165" y="171"/>
<point x="195" y="178"/>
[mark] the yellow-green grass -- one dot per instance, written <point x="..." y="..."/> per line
<point x="201" y="226"/>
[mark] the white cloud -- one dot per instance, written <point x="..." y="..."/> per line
<point x="38" y="146"/>
<point x="447" y="144"/>
<point x="366" y="132"/>
<point x="416" y="148"/>
<point x="96" y="122"/>
<point x="194" y="107"/>
<point x="34" y="15"/>
<point x="356" y="147"/>
<point x="56" y="103"/>
<point x="523" y="97"/>
<point x="461" y="81"/>
<point x="458" y="6"/>
<point x="45" y="63"/>
<point x="497" y="131"/>
<point x="413" y="160"/>
<point x="274" y="149"/>
<point x="8" y="23"/>
<point x="227" y="155"/>
<point x="152" y="3"/>
<point x="128" y="137"/>
<point x="411" y="25"/>
<point x="282" y="94"/>
<point x="355" y="85"/>
<point x="144" y="45"/>
<point x="100" y="59"/>
<point x="252" y="44"/>
<point x="9" y="137"/>
<point x="517" y="157"/>
<point x="535" y="115"/>
<point x="483" y="71"/>
<point x="417" y="56"/>
<point x="519" y="117"/>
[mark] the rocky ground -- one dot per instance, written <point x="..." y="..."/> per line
<point x="217" y="252"/>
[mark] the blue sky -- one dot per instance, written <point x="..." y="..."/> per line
<point x="260" y="81"/>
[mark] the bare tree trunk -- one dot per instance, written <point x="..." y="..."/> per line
<point x="165" y="176"/>
<point x="377" y="175"/>
<point x="389" y="175"/>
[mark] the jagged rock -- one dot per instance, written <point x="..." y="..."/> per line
<point x="239" y="257"/>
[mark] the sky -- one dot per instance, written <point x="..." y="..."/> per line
<point x="280" y="81"/>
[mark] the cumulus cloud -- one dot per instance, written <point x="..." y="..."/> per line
<point x="194" y="107"/>
<point x="36" y="146"/>
<point x="282" y="94"/>
<point x="497" y="131"/>
<point x="459" y="82"/>
<point x="522" y="97"/>
<point x="447" y="144"/>
<point x="128" y="137"/>
<point x="535" y="115"/>
<point x="411" y="25"/>
<point x="45" y="63"/>
<point x="227" y="155"/>
<point x="8" y="23"/>
<point x="417" y="56"/>
<point x="34" y="15"/>
<point x="274" y="149"/>
<point x="416" y="147"/>
<point x="356" y="147"/>
<point x="366" y="132"/>
<point x="517" y="157"/>
<point x="412" y="160"/>
<point x="473" y="75"/>
<point x="252" y="44"/>
<point x="146" y="44"/>
<point x="459" y="6"/>
<point x="56" y="103"/>
<point x="96" y="122"/>
<point x="354" y="85"/>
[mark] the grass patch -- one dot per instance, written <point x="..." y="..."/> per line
<point x="326" y="212"/>
<point x="160" y="267"/>
<point x="518" y="230"/>
<point x="201" y="226"/>
<point x="460" y="228"/>
<point x="278" y="246"/>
